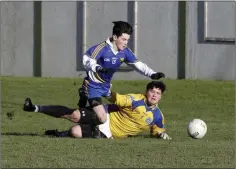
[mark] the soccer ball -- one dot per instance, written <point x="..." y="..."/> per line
<point x="197" y="128"/>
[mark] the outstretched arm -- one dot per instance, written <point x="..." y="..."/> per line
<point x="141" y="67"/>
<point x="159" y="133"/>
<point x="158" y="128"/>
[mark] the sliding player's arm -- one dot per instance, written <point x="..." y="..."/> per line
<point x="158" y="129"/>
<point x="141" y="67"/>
<point x="155" y="130"/>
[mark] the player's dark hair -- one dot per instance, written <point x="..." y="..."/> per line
<point x="156" y="84"/>
<point x="121" y="27"/>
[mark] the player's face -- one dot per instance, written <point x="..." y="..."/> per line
<point x="121" y="41"/>
<point x="153" y="96"/>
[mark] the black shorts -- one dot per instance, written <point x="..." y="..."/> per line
<point x="91" y="131"/>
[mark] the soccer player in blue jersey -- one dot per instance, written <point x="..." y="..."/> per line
<point x="102" y="61"/>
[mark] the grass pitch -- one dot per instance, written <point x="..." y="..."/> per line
<point x="24" y="146"/>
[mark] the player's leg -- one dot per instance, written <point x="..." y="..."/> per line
<point x="81" y="115"/>
<point x="77" y="131"/>
<point x="104" y="129"/>
<point x="95" y="101"/>
<point x="98" y="108"/>
<point x="56" y="133"/>
<point x="83" y="98"/>
<point x="95" y="95"/>
<point x="57" y="111"/>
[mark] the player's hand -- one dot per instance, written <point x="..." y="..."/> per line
<point x="164" y="136"/>
<point x="158" y="75"/>
<point x="104" y="70"/>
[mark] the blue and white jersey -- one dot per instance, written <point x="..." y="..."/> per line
<point x="104" y="55"/>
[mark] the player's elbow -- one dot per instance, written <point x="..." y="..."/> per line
<point x="85" y="60"/>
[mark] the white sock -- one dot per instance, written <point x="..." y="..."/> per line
<point x="36" y="108"/>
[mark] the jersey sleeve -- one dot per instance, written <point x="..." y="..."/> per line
<point x="95" y="52"/>
<point x="158" y="125"/>
<point x="139" y="66"/>
<point x="130" y="57"/>
<point x="120" y="100"/>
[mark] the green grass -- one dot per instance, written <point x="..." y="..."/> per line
<point x="212" y="101"/>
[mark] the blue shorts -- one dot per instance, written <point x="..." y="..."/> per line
<point x="98" y="89"/>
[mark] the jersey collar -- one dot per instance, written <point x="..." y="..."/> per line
<point x="150" y="108"/>
<point x="111" y="46"/>
<point x="109" y="42"/>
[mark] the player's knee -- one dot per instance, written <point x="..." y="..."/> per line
<point x="94" y="102"/>
<point x="76" y="131"/>
<point x="102" y="118"/>
<point x="75" y="116"/>
<point x="101" y="113"/>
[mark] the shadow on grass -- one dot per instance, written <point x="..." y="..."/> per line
<point x="20" y="134"/>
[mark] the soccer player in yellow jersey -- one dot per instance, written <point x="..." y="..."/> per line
<point x="127" y="115"/>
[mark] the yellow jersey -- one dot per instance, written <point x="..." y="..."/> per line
<point x="130" y="115"/>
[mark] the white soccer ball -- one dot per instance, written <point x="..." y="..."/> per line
<point x="197" y="128"/>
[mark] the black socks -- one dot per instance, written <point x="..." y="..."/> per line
<point x="54" y="110"/>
